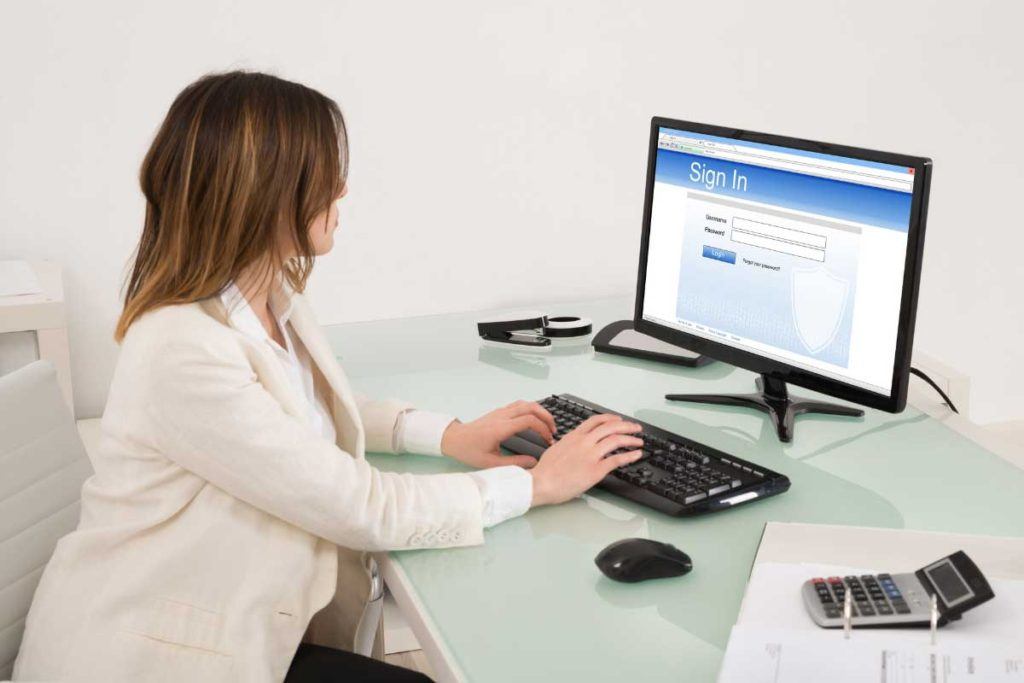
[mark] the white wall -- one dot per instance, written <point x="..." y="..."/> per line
<point x="499" y="149"/>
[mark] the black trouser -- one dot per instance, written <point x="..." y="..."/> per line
<point x="319" y="664"/>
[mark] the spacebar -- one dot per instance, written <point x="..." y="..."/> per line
<point x="518" y="443"/>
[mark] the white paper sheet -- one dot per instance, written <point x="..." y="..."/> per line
<point x="18" y="278"/>
<point x="757" y="654"/>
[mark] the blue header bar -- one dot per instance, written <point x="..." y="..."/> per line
<point x="823" y="196"/>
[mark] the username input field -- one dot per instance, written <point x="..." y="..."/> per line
<point x="778" y="245"/>
<point x="814" y="240"/>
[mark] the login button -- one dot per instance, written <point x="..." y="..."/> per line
<point x="717" y="254"/>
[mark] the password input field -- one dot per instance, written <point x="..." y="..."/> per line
<point x="773" y="244"/>
<point x="808" y="239"/>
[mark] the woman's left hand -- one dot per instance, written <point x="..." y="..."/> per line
<point x="477" y="443"/>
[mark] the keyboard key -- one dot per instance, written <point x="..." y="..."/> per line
<point x="677" y="495"/>
<point x="718" y="489"/>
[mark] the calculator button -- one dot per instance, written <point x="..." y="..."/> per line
<point x="900" y="607"/>
<point x="885" y="577"/>
<point x="832" y="612"/>
<point x="866" y="609"/>
<point x="883" y="608"/>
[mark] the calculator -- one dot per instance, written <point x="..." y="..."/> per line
<point x="886" y="600"/>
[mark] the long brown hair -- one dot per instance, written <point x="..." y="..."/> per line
<point x="241" y="159"/>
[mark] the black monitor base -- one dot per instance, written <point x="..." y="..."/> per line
<point x="773" y="398"/>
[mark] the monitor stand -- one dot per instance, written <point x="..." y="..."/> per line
<point x="772" y="397"/>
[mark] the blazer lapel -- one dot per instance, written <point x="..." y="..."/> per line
<point x="312" y="336"/>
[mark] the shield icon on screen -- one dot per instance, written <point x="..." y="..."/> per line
<point x="819" y="302"/>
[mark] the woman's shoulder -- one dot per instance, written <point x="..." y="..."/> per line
<point x="169" y="317"/>
<point x="188" y="325"/>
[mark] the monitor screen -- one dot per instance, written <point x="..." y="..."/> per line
<point x="788" y="254"/>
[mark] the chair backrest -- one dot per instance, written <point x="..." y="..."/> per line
<point x="42" y="466"/>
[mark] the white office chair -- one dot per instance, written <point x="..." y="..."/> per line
<point x="42" y="466"/>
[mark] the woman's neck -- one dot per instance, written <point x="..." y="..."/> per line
<point x="256" y="290"/>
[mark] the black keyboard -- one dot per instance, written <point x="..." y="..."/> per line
<point x="676" y="475"/>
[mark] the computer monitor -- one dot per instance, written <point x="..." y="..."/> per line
<point x="794" y="259"/>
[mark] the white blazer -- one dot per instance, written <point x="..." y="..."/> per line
<point x="218" y="523"/>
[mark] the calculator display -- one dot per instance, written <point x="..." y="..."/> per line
<point x="948" y="582"/>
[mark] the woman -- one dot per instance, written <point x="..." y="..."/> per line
<point x="232" y="504"/>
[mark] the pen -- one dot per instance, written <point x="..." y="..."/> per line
<point x="935" y="616"/>
<point x="847" y="614"/>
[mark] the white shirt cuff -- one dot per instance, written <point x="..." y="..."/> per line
<point x="420" y="431"/>
<point x="506" y="492"/>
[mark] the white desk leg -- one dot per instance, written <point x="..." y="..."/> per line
<point x="445" y="669"/>
<point x="54" y="347"/>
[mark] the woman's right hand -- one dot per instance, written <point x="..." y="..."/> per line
<point x="577" y="462"/>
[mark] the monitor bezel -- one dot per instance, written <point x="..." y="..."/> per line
<point x="896" y="400"/>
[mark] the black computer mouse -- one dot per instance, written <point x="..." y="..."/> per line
<point x="638" y="559"/>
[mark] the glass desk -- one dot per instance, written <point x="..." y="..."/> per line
<point x="530" y="603"/>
